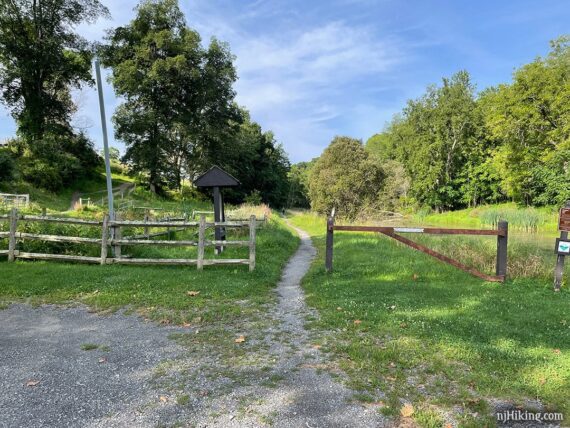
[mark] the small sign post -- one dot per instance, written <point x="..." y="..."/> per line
<point x="562" y="245"/>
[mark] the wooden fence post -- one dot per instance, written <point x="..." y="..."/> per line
<point x="201" y="243"/>
<point x="330" y="242"/>
<point x="146" y="227"/>
<point x="502" y="244"/>
<point x="559" y="269"/>
<point x="252" y="224"/>
<point x="12" y="238"/>
<point x="118" y="233"/>
<point x="104" y="238"/>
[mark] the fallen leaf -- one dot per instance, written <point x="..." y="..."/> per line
<point x="449" y="426"/>
<point x="240" y="339"/>
<point x="192" y="293"/>
<point x="407" y="410"/>
<point x="357" y="322"/>
<point x="163" y="399"/>
<point x="316" y="346"/>
<point x="32" y="382"/>
<point x="102" y="360"/>
<point x="415" y="276"/>
<point x="556" y="351"/>
<point x="542" y="381"/>
<point x="186" y="324"/>
<point x="403" y="325"/>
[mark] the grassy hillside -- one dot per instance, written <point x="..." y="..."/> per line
<point x="406" y="327"/>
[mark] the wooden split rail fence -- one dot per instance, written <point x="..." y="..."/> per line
<point x="111" y="237"/>
<point x="393" y="232"/>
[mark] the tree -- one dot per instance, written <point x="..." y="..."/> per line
<point x="41" y="59"/>
<point x="530" y="122"/>
<point x="439" y="139"/>
<point x="346" y="178"/>
<point x="299" y="185"/>
<point x="258" y="161"/>
<point x="178" y="109"/>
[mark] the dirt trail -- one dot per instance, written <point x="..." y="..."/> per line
<point x="124" y="189"/>
<point x="315" y="398"/>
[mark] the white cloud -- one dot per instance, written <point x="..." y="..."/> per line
<point x="296" y="83"/>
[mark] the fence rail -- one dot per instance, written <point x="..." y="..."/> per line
<point x="111" y="237"/>
<point x="14" y="200"/>
<point x="393" y="232"/>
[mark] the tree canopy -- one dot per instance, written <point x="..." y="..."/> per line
<point x="42" y="58"/>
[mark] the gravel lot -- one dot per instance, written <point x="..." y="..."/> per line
<point x="76" y="387"/>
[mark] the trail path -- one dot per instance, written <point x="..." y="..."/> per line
<point x="314" y="398"/>
<point x="123" y="188"/>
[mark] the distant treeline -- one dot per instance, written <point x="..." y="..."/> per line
<point x="453" y="147"/>
<point x="178" y="115"/>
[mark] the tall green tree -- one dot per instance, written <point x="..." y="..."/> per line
<point x="530" y="121"/>
<point x="256" y="159"/>
<point x="299" y="185"/>
<point x="439" y="139"/>
<point x="178" y="108"/>
<point x="345" y="177"/>
<point x="150" y="58"/>
<point x="42" y="58"/>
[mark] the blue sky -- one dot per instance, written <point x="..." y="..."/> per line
<point x="310" y="70"/>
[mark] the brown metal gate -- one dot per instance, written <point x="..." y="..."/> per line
<point x="393" y="232"/>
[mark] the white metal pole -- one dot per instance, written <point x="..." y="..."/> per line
<point x="105" y="141"/>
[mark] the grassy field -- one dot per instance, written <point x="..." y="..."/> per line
<point x="407" y="328"/>
<point x="544" y="219"/>
<point x="226" y="293"/>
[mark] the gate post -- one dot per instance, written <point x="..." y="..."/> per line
<point x="559" y="269"/>
<point x="330" y="242"/>
<point x="502" y="241"/>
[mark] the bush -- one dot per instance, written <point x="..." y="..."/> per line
<point x="42" y="174"/>
<point x="254" y="198"/>
<point x="7" y="166"/>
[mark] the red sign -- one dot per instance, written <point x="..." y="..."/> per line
<point x="564" y="222"/>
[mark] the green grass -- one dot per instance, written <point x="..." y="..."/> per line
<point x="89" y="346"/>
<point x="60" y="201"/>
<point x="544" y="219"/>
<point x="436" y="336"/>
<point x="160" y="293"/>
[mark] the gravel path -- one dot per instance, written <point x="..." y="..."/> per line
<point x="139" y="377"/>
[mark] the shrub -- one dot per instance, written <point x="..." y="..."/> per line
<point x="7" y="166"/>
